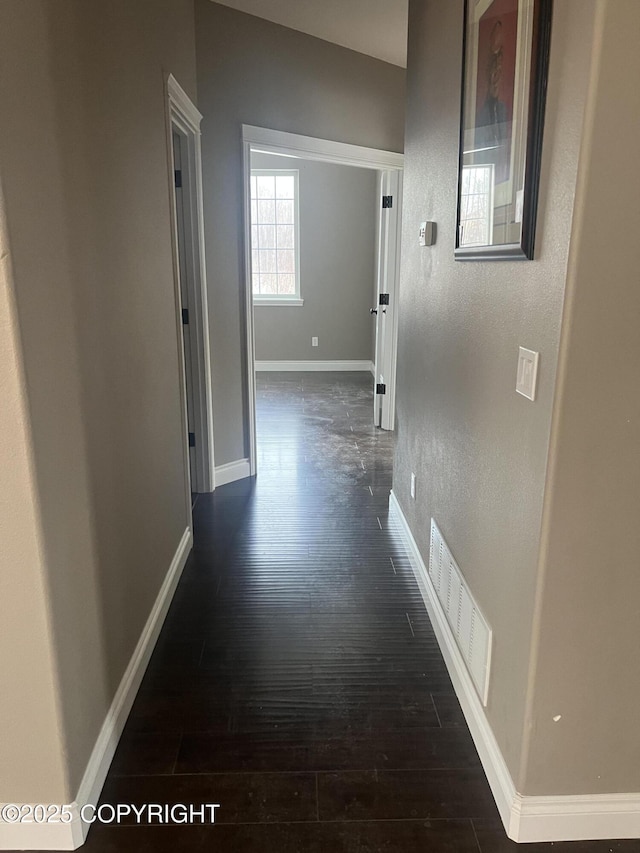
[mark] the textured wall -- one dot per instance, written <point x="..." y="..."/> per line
<point x="587" y="662"/>
<point x="479" y="449"/>
<point x="29" y="718"/>
<point x="337" y="265"/>
<point x="85" y="175"/>
<point x="255" y="72"/>
<point x="37" y="218"/>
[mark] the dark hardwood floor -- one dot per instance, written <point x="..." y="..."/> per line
<point x="297" y="680"/>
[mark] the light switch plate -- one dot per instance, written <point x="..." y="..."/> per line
<point x="527" y="377"/>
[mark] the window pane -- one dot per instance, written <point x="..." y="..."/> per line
<point x="273" y="235"/>
<point x="285" y="186"/>
<point x="267" y="236"/>
<point x="285" y="212"/>
<point x="268" y="261"/>
<point x="286" y="261"/>
<point x="480" y="180"/>
<point x="475" y="232"/>
<point x="285" y="236"/>
<point x="476" y="205"/>
<point x="267" y="211"/>
<point x="268" y="284"/>
<point x="266" y="186"/>
<point x="287" y="285"/>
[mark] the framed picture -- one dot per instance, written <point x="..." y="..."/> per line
<point x="504" y="82"/>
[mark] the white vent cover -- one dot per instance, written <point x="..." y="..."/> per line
<point x="469" y="627"/>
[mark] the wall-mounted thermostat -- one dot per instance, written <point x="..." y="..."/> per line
<point x="427" y="233"/>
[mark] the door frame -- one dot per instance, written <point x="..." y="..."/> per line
<point x="265" y="140"/>
<point x="389" y="228"/>
<point x="183" y="116"/>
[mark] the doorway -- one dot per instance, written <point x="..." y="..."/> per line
<point x="261" y="142"/>
<point x="185" y="173"/>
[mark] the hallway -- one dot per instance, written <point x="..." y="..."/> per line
<point x="297" y="681"/>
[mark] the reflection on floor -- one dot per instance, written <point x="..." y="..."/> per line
<point x="297" y="681"/>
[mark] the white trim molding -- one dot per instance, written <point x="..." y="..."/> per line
<point x="232" y="471"/>
<point x="314" y="366"/>
<point x="279" y="301"/>
<point x="182" y="103"/>
<point x="184" y="118"/>
<point x="71" y="835"/>
<point x="491" y="757"/>
<point x="582" y="817"/>
<point x="525" y="818"/>
<point x="264" y="140"/>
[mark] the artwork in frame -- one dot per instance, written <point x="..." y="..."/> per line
<point x="504" y="82"/>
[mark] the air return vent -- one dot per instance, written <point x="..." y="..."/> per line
<point x="469" y="627"/>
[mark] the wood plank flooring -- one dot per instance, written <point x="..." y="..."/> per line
<point x="297" y="680"/>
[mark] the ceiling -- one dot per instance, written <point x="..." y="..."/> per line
<point x="375" y="27"/>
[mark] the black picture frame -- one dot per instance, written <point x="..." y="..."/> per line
<point x="499" y="161"/>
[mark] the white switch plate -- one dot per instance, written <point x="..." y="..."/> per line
<point x="314" y="342"/>
<point x="413" y="485"/>
<point x="427" y="234"/>
<point x="527" y="377"/>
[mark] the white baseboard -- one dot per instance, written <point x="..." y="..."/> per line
<point x="525" y="818"/>
<point x="372" y="368"/>
<point x="70" y="836"/>
<point x="494" y="764"/>
<point x="232" y="471"/>
<point x="575" y="818"/>
<point x="43" y="836"/>
<point x="304" y="366"/>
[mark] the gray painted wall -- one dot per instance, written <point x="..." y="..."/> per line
<point x="337" y="266"/>
<point x="478" y="448"/>
<point x="254" y="72"/>
<point x="86" y="186"/>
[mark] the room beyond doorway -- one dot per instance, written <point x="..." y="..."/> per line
<point x="313" y="274"/>
<point x="266" y="287"/>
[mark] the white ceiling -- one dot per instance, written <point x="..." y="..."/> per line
<point x="375" y="27"/>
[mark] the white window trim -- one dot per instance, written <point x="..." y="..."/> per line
<point x="279" y="301"/>
<point x="284" y="300"/>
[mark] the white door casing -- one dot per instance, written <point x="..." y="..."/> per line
<point x="184" y="120"/>
<point x="181" y="215"/>
<point x="265" y="140"/>
<point x="386" y="319"/>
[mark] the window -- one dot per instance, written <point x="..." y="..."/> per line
<point x="274" y="237"/>
<point x="476" y="205"/>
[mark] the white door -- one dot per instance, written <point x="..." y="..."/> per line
<point x="385" y="309"/>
